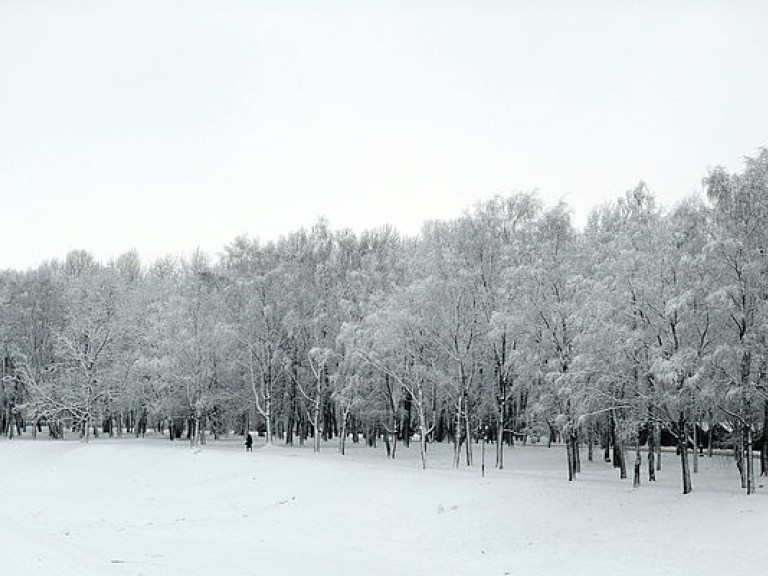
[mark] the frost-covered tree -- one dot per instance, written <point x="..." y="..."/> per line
<point x="621" y="261"/>
<point x="262" y="319"/>
<point x="552" y="288"/>
<point x="737" y="254"/>
<point x="85" y="346"/>
<point x="395" y="343"/>
<point x="497" y="239"/>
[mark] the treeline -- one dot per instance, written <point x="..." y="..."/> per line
<point x="506" y="323"/>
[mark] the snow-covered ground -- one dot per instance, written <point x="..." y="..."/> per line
<point x="155" y="507"/>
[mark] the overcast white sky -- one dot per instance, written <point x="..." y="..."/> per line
<point x="166" y="125"/>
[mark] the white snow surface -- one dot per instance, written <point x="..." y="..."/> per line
<point x="150" y="506"/>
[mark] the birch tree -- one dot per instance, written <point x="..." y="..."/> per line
<point x="738" y="253"/>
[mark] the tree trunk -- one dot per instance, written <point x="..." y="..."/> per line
<point x="316" y="425"/>
<point x="86" y="429"/>
<point x="422" y="431"/>
<point x="457" y="435"/>
<point x="268" y="417"/>
<point x="638" y="464"/>
<point x="268" y="398"/>
<point x="196" y="430"/>
<point x="343" y="435"/>
<point x="501" y="402"/>
<point x="651" y="451"/>
<point x="291" y="418"/>
<point x="405" y="424"/>
<point x="739" y="455"/>
<point x="764" y="447"/>
<point x="622" y="461"/>
<point x="388" y="444"/>
<point x="423" y="447"/>
<point x="618" y="451"/>
<point x="750" y="462"/>
<point x="500" y="434"/>
<point x="682" y="442"/>
<point x="513" y="409"/>
<point x="576" y="452"/>
<point x="695" y="449"/>
<point x="468" y="430"/>
<point x="390" y="435"/>
<point x="570" y="456"/>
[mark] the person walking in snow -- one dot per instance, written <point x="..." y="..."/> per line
<point x="249" y="443"/>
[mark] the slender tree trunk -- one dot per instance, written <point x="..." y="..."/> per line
<point x="393" y="434"/>
<point x="433" y="433"/>
<point x="468" y="429"/>
<point x="651" y="452"/>
<point x="619" y="460"/>
<point x="622" y="461"/>
<point x="682" y="440"/>
<point x="764" y="447"/>
<point x="576" y="452"/>
<point x="422" y="430"/>
<point x="268" y="417"/>
<point x="316" y="424"/>
<point x="267" y="425"/>
<point x="406" y="422"/>
<point x="501" y="402"/>
<point x="500" y="434"/>
<point x="750" y="462"/>
<point x="739" y="455"/>
<point x="387" y="444"/>
<point x="343" y="435"/>
<point x="695" y="448"/>
<point x="512" y="421"/>
<point x="301" y="428"/>
<point x="86" y="428"/>
<point x="192" y="432"/>
<point x="457" y="435"/>
<point x="638" y="465"/>
<point x="292" y="402"/>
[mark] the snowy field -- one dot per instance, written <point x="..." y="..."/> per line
<point x="150" y="506"/>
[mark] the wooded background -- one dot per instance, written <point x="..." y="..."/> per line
<point x="506" y="324"/>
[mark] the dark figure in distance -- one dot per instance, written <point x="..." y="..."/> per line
<point x="249" y="443"/>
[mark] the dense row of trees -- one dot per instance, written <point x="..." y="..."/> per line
<point x="505" y="324"/>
